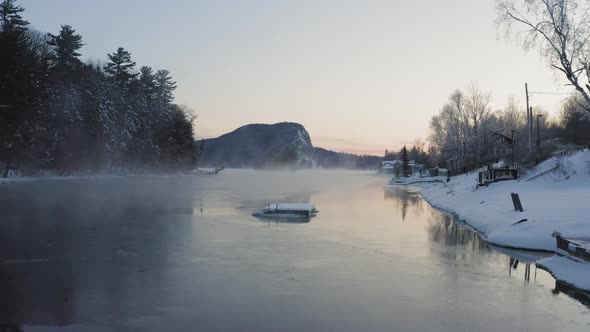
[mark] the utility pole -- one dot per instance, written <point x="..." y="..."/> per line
<point x="538" y="131"/>
<point x="531" y="133"/>
<point x="513" y="146"/>
<point x="529" y="118"/>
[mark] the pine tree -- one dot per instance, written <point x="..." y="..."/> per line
<point x="60" y="113"/>
<point x="10" y="18"/>
<point x="21" y="96"/>
<point x="405" y="162"/>
<point x="147" y="83"/>
<point x="120" y="68"/>
<point x="164" y="86"/>
<point x="66" y="100"/>
<point x="67" y="44"/>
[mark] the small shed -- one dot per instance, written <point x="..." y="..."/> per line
<point x="497" y="174"/>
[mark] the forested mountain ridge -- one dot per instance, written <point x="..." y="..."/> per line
<point x="62" y="114"/>
<point x="280" y="145"/>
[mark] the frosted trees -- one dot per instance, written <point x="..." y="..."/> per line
<point x="450" y="129"/>
<point x="560" y="29"/>
<point x="60" y="113"/>
<point x="477" y="109"/>
<point x="460" y="131"/>
<point x="512" y="117"/>
<point x="571" y="120"/>
<point x="21" y="90"/>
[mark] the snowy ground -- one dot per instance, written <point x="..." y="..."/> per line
<point x="568" y="270"/>
<point x="555" y="197"/>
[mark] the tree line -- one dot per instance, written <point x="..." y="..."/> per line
<point x="60" y="113"/>
<point x="466" y="133"/>
<point x="463" y="137"/>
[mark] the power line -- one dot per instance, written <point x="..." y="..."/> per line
<point x="549" y="93"/>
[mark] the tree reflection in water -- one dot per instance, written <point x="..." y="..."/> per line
<point x="448" y="231"/>
<point x="580" y="295"/>
<point x="405" y="197"/>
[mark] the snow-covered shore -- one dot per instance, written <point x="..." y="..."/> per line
<point x="555" y="197"/>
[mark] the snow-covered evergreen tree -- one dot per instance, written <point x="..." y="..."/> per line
<point x="58" y="112"/>
<point x="405" y="162"/>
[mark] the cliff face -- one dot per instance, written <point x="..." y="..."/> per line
<point x="260" y="146"/>
<point x="281" y="145"/>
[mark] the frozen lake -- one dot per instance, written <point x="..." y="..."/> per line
<point x="185" y="254"/>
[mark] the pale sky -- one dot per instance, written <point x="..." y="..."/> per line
<point x="362" y="76"/>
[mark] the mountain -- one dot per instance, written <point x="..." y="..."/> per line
<point x="281" y="145"/>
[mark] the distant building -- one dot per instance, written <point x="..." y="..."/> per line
<point x="416" y="168"/>
<point x="389" y="166"/>
<point x="394" y="167"/>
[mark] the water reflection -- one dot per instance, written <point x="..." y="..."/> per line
<point x="81" y="257"/>
<point x="580" y="295"/>
<point x="405" y="198"/>
<point x="172" y="251"/>
<point x="278" y="220"/>
<point x="449" y="232"/>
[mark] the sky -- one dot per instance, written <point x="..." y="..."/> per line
<point x="362" y="76"/>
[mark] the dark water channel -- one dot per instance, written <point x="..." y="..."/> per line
<point x="184" y="254"/>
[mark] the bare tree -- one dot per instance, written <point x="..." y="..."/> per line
<point x="560" y="29"/>
<point x="461" y="128"/>
<point x="477" y="109"/>
<point x="512" y="117"/>
<point x="572" y="122"/>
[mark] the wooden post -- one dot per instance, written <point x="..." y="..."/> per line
<point x="516" y="202"/>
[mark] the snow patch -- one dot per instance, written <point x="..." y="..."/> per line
<point x="568" y="270"/>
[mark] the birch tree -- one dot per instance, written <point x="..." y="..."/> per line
<point x="559" y="29"/>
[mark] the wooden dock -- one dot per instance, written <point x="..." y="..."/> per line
<point x="575" y="248"/>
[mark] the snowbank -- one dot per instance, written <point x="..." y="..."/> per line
<point x="555" y="200"/>
<point x="555" y="197"/>
<point x="567" y="270"/>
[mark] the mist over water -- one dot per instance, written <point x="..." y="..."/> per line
<point x="184" y="253"/>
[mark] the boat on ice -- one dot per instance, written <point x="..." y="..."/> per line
<point x="287" y="211"/>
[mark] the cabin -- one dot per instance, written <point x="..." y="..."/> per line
<point x="395" y="167"/>
<point x="497" y="174"/>
<point x="416" y="168"/>
<point x="437" y="171"/>
<point x="389" y="166"/>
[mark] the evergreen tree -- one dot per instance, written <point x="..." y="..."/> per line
<point x="164" y="86"/>
<point x="10" y="19"/>
<point x="147" y="83"/>
<point x="21" y="93"/>
<point x="120" y="68"/>
<point x="67" y="44"/>
<point x="405" y="162"/>
<point x="58" y="112"/>
<point x="68" y="115"/>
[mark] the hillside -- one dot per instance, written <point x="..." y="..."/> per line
<point x="281" y="145"/>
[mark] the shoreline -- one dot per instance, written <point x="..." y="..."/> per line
<point x="554" y="200"/>
<point x="481" y="234"/>
<point x="541" y="263"/>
